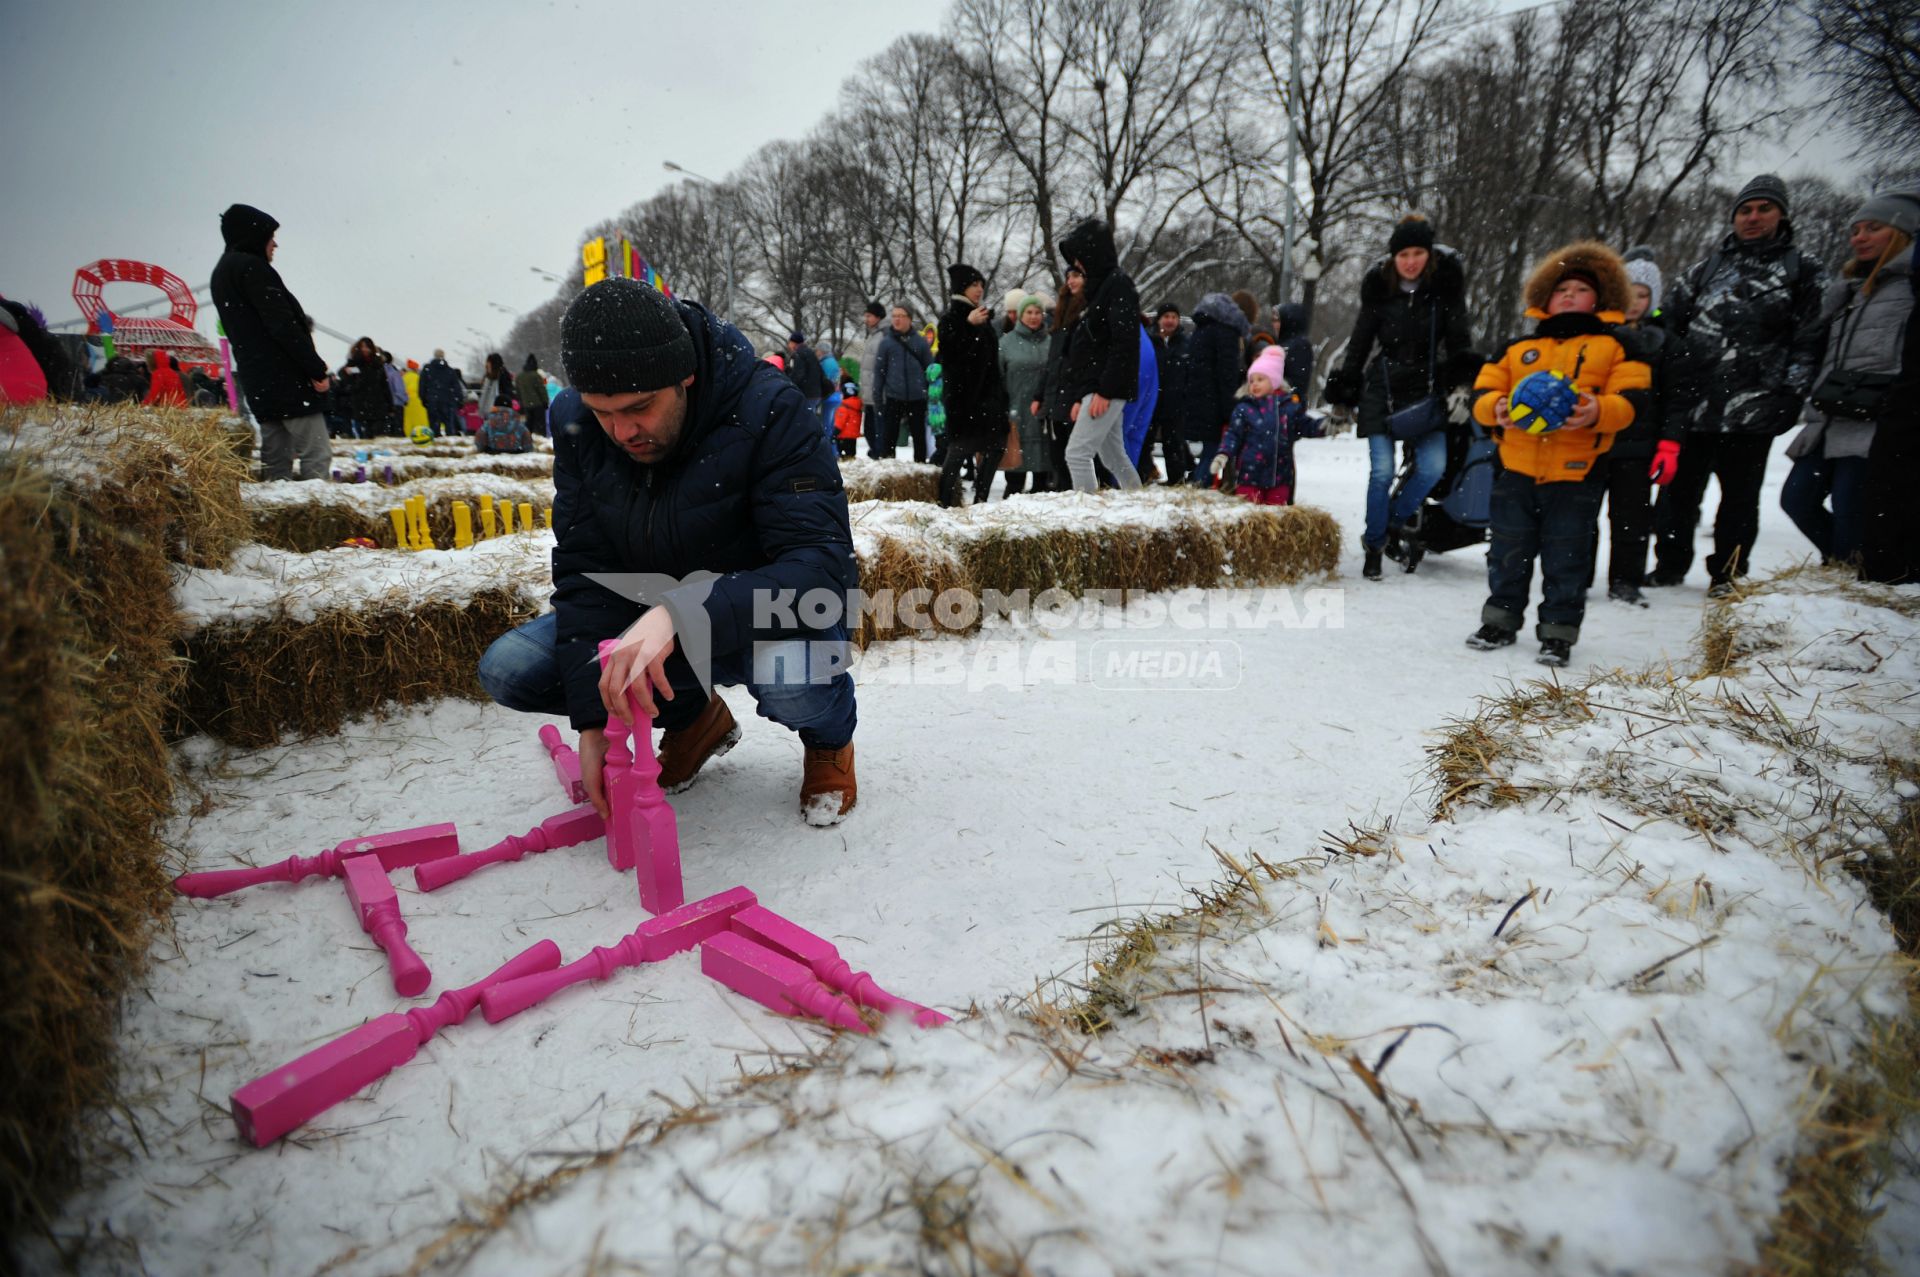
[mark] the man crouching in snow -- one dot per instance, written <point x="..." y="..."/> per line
<point x="689" y="473"/>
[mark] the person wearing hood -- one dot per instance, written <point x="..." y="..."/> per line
<point x="976" y="398"/>
<point x="284" y="378"/>
<point x="531" y="386"/>
<point x="1290" y="323"/>
<point x="1413" y="309"/>
<point x="1214" y="364"/>
<point x="1867" y="314"/>
<point x="1748" y="318"/>
<point x="1546" y="498"/>
<point x="803" y="368"/>
<point x="163" y="382"/>
<point x="1023" y="369"/>
<point x="697" y="509"/>
<point x="22" y="379"/>
<point x="1100" y="369"/>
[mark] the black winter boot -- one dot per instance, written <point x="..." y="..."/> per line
<point x="1371" y="568"/>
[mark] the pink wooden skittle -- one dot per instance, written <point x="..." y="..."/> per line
<point x="568" y="829"/>
<point x="642" y="833"/>
<point x="297" y="1092"/>
<point x="378" y="909"/>
<point x="673" y="932"/>
<point x="775" y="981"/>
<point x="398" y="850"/>
<point x="566" y="763"/>
<point x="763" y="926"/>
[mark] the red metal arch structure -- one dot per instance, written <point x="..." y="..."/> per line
<point x="136" y="335"/>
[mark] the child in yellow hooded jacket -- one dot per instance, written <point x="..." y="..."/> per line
<point x="1546" y="501"/>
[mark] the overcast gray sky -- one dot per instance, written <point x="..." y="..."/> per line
<point x="420" y="155"/>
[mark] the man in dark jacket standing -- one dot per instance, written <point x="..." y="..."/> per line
<point x="1100" y="370"/>
<point x="1747" y="323"/>
<point x="1170" y="409"/>
<point x="976" y="398"/>
<point x="803" y="369"/>
<point x="441" y="394"/>
<point x="688" y="476"/>
<point x="1220" y="333"/>
<point x="283" y="375"/>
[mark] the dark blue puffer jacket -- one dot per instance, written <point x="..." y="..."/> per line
<point x="751" y="491"/>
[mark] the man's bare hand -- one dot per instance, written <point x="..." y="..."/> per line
<point x="639" y="666"/>
<point x="593" y="763"/>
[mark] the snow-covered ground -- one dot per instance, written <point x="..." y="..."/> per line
<point x="1005" y="824"/>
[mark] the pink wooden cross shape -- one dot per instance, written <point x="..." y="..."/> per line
<point x="299" y="1091"/>
<point x="378" y="908"/>
<point x="397" y="850"/>
<point x="566" y="763"/>
<point x="775" y="981"/>
<point x="642" y="833"/>
<point x="765" y="927"/>
<point x="568" y="829"/>
<point x="675" y="931"/>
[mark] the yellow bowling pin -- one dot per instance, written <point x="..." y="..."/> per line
<point x="462" y="525"/>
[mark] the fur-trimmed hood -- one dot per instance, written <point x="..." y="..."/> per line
<point x="1449" y="280"/>
<point x="1588" y="257"/>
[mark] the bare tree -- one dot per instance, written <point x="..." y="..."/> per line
<point x="1868" y="54"/>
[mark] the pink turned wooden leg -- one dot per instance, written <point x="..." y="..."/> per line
<point x="566" y="763"/>
<point x="378" y="909"/>
<point x="763" y="926"/>
<point x="397" y="850"/>
<point x="568" y="829"/>
<point x="774" y="980"/>
<point x="297" y="1092"/>
<point x="642" y="833"/>
<point x="673" y="932"/>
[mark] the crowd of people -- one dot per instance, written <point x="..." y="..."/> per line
<point x="1654" y="392"/>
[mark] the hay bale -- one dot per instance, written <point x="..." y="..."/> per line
<point x="309" y="517"/>
<point x="887" y="480"/>
<point x="95" y="505"/>
<point x="296" y="644"/>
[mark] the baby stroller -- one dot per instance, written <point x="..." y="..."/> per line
<point x="1456" y="512"/>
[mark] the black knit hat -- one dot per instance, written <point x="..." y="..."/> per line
<point x="961" y="277"/>
<point x="1412" y="232"/>
<point x="1166" y="308"/>
<point x="620" y="336"/>
<point x="876" y="310"/>
<point x="1765" y="187"/>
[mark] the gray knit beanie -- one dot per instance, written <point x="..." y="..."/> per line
<point x="1644" y="270"/>
<point x="1898" y="209"/>
<point x="620" y="336"/>
<point x="1765" y="187"/>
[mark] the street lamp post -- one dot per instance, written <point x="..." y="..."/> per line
<point x="546" y="274"/>
<point x="726" y="307"/>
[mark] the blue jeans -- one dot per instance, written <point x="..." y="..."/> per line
<point x="522" y="672"/>
<point x="1836" y="534"/>
<point x="1429" y="463"/>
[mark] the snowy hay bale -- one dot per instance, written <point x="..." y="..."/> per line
<point x="304" y="517"/>
<point x="94" y="505"/>
<point x="868" y="479"/>
<point x="283" y="643"/>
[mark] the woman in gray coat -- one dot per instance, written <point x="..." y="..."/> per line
<point x="1867" y="311"/>
<point x="1023" y="366"/>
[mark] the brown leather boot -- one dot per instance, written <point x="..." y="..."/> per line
<point x="827" y="788"/>
<point x="685" y="751"/>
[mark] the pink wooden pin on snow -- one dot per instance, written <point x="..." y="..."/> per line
<point x="675" y="931"/>
<point x="642" y="833"/>
<point x="566" y="763"/>
<point x="378" y="909"/>
<point x="775" y="981"/>
<point x="765" y="927"/>
<point x="299" y="1091"/>
<point x="568" y="829"/>
<point x="398" y="850"/>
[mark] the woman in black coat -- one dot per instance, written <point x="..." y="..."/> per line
<point x="1215" y="370"/>
<point x="1413" y="311"/>
<point x="976" y="400"/>
<point x="1056" y="400"/>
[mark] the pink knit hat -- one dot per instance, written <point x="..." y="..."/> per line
<point x="1270" y="363"/>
